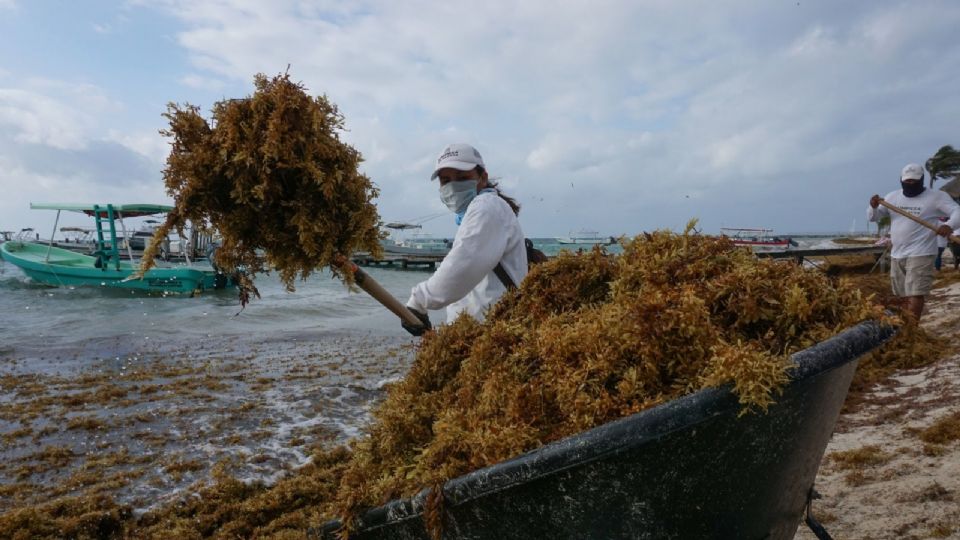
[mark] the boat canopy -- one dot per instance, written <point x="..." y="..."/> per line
<point x="402" y="226"/>
<point x="124" y="210"/>
<point x="745" y="230"/>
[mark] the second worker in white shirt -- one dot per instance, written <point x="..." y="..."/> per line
<point x="914" y="247"/>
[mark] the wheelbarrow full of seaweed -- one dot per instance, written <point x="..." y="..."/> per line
<point x="693" y="467"/>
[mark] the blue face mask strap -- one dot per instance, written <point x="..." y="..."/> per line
<point x="458" y="218"/>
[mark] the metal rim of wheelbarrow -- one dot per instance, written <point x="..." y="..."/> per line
<point x="621" y="435"/>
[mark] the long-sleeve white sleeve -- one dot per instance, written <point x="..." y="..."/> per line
<point x="488" y="234"/>
<point x="950" y="208"/>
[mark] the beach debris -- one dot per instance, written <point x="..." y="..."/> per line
<point x="271" y="176"/>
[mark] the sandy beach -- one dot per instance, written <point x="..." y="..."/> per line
<point x="892" y="467"/>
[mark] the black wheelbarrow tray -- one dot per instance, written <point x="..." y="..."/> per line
<point x="690" y="468"/>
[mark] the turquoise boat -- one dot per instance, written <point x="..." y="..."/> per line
<point x="59" y="267"/>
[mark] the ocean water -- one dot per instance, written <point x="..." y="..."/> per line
<point x="61" y="316"/>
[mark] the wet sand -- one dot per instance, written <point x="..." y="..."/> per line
<point x="141" y="424"/>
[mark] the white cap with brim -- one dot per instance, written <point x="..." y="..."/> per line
<point x="462" y="157"/>
<point x="912" y="172"/>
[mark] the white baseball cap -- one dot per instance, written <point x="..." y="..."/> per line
<point x="912" y="172"/>
<point x="462" y="157"/>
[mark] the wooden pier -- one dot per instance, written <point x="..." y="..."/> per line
<point x="801" y="255"/>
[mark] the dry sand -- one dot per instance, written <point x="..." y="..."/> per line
<point x="908" y="488"/>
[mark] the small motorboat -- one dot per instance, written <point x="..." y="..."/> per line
<point x="757" y="239"/>
<point x="418" y="245"/>
<point x="103" y="266"/>
<point x="585" y="237"/>
<point x="691" y="468"/>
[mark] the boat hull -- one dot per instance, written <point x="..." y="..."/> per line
<point x="431" y="249"/>
<point x="63" y="268"/>
<point x="587" y="238"/>
<point x="781" y="244"/>
<point x="585" y="242"/>
<point x="691" y="468"/>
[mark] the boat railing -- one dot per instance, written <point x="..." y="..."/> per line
<point x="26" y="235"/>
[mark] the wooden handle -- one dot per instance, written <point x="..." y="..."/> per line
<point x="953" y="238"/>
<point x="374" y="289"/>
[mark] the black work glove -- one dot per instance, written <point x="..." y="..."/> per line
<point x="419" y="329"/>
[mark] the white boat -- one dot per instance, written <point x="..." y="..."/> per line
<point x="138" y="239"/>
<point x="588" y="238"/>
<point x="417" y="244"/>
<point x="757" y="239"/>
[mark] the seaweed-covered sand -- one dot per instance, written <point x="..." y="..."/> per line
<point x="892" y="468"/>
<point x="140" y="425"/>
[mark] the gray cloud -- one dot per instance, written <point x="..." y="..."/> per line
<point x="102" y="162"/>
<point x="741" y="113"/>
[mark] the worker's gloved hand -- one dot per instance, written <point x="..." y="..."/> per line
<point x="419" y="329"/>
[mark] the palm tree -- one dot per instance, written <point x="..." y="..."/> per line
<point x="945" y="164"/>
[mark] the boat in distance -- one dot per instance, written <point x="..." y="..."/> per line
<point x="585" y="237"/>
<point x="417" y="245"/>
<point x="757" y="238"/>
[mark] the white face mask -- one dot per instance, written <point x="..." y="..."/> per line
<point x="458" y="194"/>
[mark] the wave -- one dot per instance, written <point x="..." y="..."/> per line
<point x="19" y="283"/>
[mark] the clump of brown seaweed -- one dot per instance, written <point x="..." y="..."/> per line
<point x="590" y="338"/>
<point x="271" y="175"/>
<point x="587" y="338"/>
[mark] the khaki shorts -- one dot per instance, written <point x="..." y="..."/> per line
<point x="912" y="276"/>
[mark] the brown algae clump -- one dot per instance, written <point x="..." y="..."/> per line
<point x="271" y="176"/>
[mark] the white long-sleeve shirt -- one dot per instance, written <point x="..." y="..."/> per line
<point x="489" y="233"/>
<point x="910" y="239"/>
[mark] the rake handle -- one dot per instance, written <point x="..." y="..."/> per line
<point x="374" y="289"/>
<point x="953" y="238"/>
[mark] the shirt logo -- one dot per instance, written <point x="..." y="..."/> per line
<point x="915" y="210"/>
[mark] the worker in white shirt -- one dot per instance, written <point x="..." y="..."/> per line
<point x="914" y="246"/>
<point x="942" y="242"/>
<point x="955" y="251"/>
<point x="488" y="253"/>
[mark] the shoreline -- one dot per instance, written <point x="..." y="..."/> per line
<point x="881" y="477"/>
<point x="143" y="426"/>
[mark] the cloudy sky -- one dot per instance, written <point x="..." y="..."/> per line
<point x="614" y="116"/>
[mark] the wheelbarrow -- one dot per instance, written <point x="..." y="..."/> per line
<point x="691" y="468"/>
